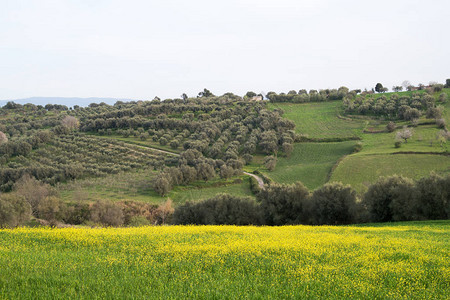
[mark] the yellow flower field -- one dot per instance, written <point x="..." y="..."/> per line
<point x="402" y="261"/>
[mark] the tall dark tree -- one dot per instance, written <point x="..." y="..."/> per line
<point x="285" y="204"/>
<point x="334" y="204"/>
<point x="390" y="199"/>
<point x="378" y="87"/>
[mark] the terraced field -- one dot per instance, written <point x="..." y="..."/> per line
<point x="138" y="186"/>
<point x="310" y="163"/>
<point x="320" y="119"/>
<point x="361" y="170"/>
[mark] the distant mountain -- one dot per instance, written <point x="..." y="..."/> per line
<point x="68" y="101"/>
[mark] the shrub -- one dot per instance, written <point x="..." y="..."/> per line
<point x="357" y="147"/>
<point x="334" y="204"/>
<point x="391" y="199"/>
<point x="433" y="197"/>
<point x="70" y="123"/>
<point x="284" y="204"/>
<point x="133" y="210"/>
<point x="223" y="209"/>
<point x="14" y="210"/>
<point x="398" y="144"/>
<point x="164" y="212"/>
<point x="51" y="209"/>
<point x="77" y="213"/>
<point x="3" y="138"/>
<point x="270" y="162"/>
<point x="440" y="123"/>
<point x="254" y="185"/>
<point x="33" y="191"/>
<point x="106" y="213"/>
<point x="390" y="127"/>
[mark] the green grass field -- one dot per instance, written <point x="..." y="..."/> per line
<point x="361" y="170"/>
<point x="320" y="119"/>
<point x="137" y="186"/>
<point x="385" y="261"/>
<point x="136" y="141"/>
<point x="424" y="139"/>
<point x="200" y="191"/>
<point x="310" y="163"/>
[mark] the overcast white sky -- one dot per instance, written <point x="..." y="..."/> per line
<point x="140" y="49"/>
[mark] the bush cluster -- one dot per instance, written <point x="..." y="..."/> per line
<point x="393" y="198"/>
<point x="32" y="198"/>
<point x="313" y="96"/>
<point x="395" y="107"/>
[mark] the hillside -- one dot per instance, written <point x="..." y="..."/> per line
<point x="328" y="121"/>
<point x="192" y="149"/>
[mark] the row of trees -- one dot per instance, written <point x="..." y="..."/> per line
<point x="73" y="156"/>
<point x="313" y="96"/>
<point x="32" y="198"/>
<point x="393" y="198"/>
<point x="396" y="107"/>
<point x="193" y="166"/>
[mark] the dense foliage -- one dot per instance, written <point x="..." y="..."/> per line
<point x="406" y="107"/>
<point x="216" y="135"/>
<point x="59" y="158"/>
<point x="392" y="198"/>
<point x="303" y="96"/>
<point x="222" y="209"/>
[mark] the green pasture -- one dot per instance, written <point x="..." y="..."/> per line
<point x="361" y="170"/>
<point x="310" y="163"/>
<point x="320" y="119"/>
<point x="138" y="186"/>
<point x="424" y="139"/>
<point x="137" y="141"/>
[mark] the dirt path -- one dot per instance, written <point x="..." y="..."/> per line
<point x="259" y="179"/>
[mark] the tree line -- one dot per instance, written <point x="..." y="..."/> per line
<point x="33" y="198"/>
<point x="393" y="198"/>
<point x="303" y="95"/>
<point x="404" y="107"/>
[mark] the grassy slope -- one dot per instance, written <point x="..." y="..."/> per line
<point x="423" y="140"/>
<point x="376" y="160"/>
<point x="320" y="119"/>
<point x="310" y="163"/>
<point x="360" y="171"/>
<point x="136" y="141"/>
<point x="137" y="186"/>
<point x="386" y="261"/>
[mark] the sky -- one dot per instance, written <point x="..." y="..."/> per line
<point x="142" y="49"/>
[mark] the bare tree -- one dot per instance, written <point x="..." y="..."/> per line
<point x="70" y="123"/>
<point x="3" y="138"/>
<point x="404" y="134"/>
<point x="33" y="191"/>
<point x="406" y="84"/>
